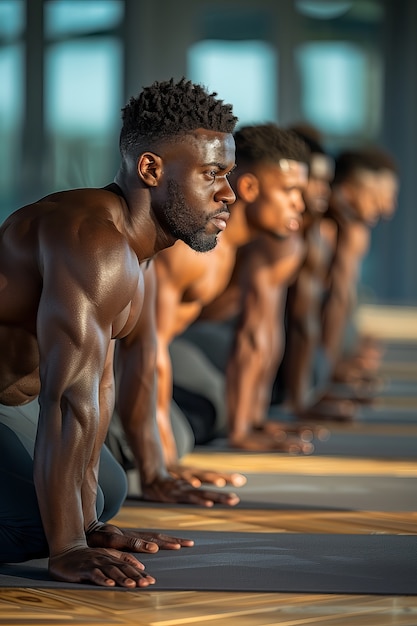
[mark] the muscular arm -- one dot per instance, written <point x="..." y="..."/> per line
<point x="303" y="333"/>
<point x="136" y="388"/>
<point x="76" y="313"/>
<point x="87" y="297"/>
<point x="259" y="339"/>
<point x="352" y="244"/>
<point x="152" y="440"/>
<point x="168" y="297"/>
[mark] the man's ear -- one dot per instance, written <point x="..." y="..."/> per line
<point x="247" y="187"/>
<point x="149" y="168"/>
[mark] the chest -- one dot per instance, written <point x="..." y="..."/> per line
<point x="127" y="319"/>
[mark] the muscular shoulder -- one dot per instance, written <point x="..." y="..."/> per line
<point x="79" y="240"/>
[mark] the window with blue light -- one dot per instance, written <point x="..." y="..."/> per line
<point x="68" y="17"/>
<point x="83" y="90"/>
<point x="248" y="78"/>
<point x="340" y="82"/>
<point x="11" y="99"/>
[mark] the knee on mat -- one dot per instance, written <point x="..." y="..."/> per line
<point x="22" y="544"/>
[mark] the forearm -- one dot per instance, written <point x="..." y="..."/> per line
<point x="298" y="369"/>
<point x="63" y="449"/>
<point x="250" y="372"/>
<point x="136" y="404"/>
<point x="341" y="298"/>
<point x="335" y="315"/>
<point x="164" y="399"/>
<point x="90" y="483"/>
<point x="303" y="334"/>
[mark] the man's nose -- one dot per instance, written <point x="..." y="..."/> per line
<point x="226" y="193"/>
<point x="300" y="204"/>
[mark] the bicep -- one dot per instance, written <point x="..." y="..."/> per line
<point x="73" y="338"/>
<point x="262" y="302"/>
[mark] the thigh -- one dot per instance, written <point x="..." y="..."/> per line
<point x="21" y="530"/>
<point x="112" y="482"/>
<point x="193" y="372"/>
<point x="215" y="339"/>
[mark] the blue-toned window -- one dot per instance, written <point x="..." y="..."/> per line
<point x="340" y="88"/>
<point x="77" y="17"/>
<point x="83" y="91"/>
<point x="11" y="99"/>
<point x="248" y="77"/>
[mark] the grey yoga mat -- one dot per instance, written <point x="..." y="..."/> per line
<point x="266" y="562"/>
<point x="300" y="492"/>
<point x="366" y="445"/>
<point x="334" y="493"/>
<point x="349" y="444"/>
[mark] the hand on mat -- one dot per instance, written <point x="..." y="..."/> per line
<point x="259" y="440"/>
<point x="109" y="536"/>
<point x="197" y="476"/>
<point x="171" y="489"/>
<point x="106" y="568"/>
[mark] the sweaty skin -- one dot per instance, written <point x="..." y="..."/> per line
<point x="186" y="282"/>
<point x="305" y="294"/>
<point x="181" y="294"/>
<point x="136" y="390"/>
<point x="355" y="208"/>
<point x="256" y="294"/>
<point x="71" y="284"/>
<point x="266" y="269"/>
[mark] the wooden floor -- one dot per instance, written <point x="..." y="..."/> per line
<point x="42" y="607"/>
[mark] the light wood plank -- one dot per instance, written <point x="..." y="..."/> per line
<point x="142" y="608"/>
<point x="311" y="465"/>
<point x="260" y="520"/>
<point x="388" y="322"/>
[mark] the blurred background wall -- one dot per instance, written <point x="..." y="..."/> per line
<point x="349" y="68"/>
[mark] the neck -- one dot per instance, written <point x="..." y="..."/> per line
<point x="140" y="226"/>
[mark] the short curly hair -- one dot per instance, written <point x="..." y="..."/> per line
<point x="166" y="110"/>
<point x="268" y="143"/>
<point x="309" y="138"/>
<point x="370" y="158"/>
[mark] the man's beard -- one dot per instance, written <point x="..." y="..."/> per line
<point x="181" y="222"/>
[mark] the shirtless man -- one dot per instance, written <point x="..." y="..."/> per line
<point x="357" y="202"/>
<point x="363" y="362"/>
<point x="241" y="331"/>
<point x="71" y="283"/>
<point x="300" y="373"/>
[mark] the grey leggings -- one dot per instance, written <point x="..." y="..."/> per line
<point x="21" y="532"/>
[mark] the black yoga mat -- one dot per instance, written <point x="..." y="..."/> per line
<point x="266" y="562"/>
